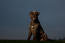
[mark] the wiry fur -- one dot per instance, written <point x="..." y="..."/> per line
<point x="35" y="28"/>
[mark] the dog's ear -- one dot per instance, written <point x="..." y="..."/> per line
<point x="30" y="14"/>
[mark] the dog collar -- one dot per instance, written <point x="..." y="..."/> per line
<point x="32" y="26"/>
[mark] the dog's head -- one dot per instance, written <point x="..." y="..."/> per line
<point x="34" y="15"/>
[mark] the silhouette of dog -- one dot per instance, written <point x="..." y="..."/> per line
<point x="35" y="28"/>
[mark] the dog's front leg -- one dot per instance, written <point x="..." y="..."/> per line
<point x="29" y="35"/>
<point x="34" y="37"/>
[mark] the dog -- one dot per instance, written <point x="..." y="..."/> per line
<point x="35" y="28"/>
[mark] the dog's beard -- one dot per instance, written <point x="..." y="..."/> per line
<point x="33" y="18"/>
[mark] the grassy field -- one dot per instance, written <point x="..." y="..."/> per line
<point x="31" y="41"/>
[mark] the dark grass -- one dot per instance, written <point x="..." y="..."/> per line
<point x="31" y="41"/>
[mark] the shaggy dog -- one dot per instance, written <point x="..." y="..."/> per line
<point x="35" y="28"/>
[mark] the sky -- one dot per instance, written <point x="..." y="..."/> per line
<point x="15" y="20"/>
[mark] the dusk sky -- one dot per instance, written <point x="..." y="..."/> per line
<point x="15" y="20"/>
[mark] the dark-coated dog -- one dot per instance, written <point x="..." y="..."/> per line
<point x="35" y="28"/>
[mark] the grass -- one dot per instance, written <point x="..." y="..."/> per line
<point x="31" y="41"/>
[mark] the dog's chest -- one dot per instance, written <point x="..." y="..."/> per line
<point x="34" y="27"/>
